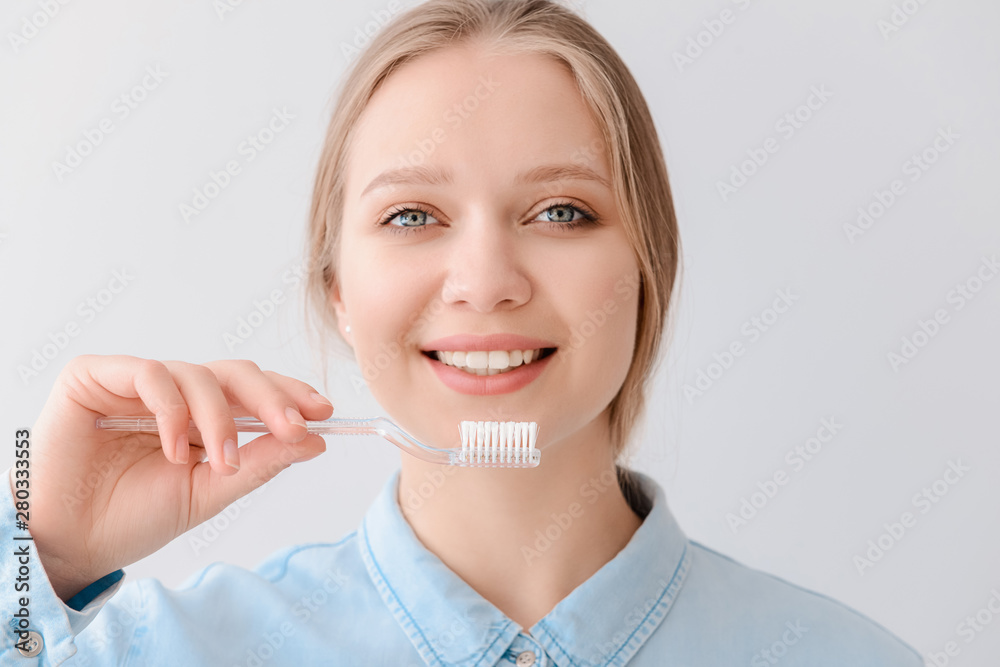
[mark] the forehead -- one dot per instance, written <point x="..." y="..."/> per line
<point x="488" y="115"/>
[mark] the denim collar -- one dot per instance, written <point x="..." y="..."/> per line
<point x="604" y="621"/>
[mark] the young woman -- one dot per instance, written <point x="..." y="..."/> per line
<point x="491" y="181"/>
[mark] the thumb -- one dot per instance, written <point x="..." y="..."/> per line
<point x="260" y="461"/>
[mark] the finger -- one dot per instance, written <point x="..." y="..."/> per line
<point x="260" y="460"/>
<point x="209" y="409"/>
<point x="312" y="404"/>
<point x="252" y="389"/>
<point x="147" y="380"/>
<point x="173" y="420"/>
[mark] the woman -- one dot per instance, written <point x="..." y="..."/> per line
<point x="491" y="180"/>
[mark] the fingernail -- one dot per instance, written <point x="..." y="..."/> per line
<point x="293" y="417"/>
<point x="319" y="398"/>
<point x="231" y="454"/>
<point x="306" y="457"/>
<point x="181" y="451"/>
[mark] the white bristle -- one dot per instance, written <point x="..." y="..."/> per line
<point x="497" y="450"/>
<point x="498" y="442"/>
<point x="480" y="440"/>
<point x="484" y="451"/>
<point x="463" y="430"/>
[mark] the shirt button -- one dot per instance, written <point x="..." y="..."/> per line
<point x="525" y="659"/>
<point x="31" y="646"/>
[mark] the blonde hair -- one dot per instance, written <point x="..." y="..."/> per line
<point x="639" y="174"/>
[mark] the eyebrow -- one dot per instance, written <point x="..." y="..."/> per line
<point x="427" y="175"/>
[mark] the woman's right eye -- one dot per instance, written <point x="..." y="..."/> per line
<point x="410" y="218"/>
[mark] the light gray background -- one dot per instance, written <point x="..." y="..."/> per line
<point x="61" y="241"/>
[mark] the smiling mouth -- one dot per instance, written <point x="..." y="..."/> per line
<point x="493" y="362"/>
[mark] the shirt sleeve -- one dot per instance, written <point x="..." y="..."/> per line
<point x="34" y="616"/>
<point x="79" y="601"/>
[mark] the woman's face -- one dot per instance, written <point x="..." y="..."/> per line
<point x="485" y="171"/>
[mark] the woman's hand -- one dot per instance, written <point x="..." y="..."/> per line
<point x="101" y="499"/>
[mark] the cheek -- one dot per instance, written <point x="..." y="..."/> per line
<point x="369" y="280"/>
<point x="597" y="298"/>
<point x="604" y="323"/>
<point x="387" y="301"/>
<point x="377" y="287"/>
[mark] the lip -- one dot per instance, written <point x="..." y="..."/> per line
<point x="500" y="341"/>
<point x="490" y="385"/>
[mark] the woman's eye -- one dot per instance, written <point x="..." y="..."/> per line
<point x="561" y="213"/>
<point x="567" y="216"/>
<point x="408" y="218"/>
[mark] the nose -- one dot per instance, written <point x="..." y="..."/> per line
<point x="485" y="266"/>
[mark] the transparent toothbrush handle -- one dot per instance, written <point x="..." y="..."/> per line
<point x="246" y="425"/>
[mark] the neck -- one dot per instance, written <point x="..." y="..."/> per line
<point x="523" y="539"/>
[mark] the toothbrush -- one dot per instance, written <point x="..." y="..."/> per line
<point x="485" y="444"/>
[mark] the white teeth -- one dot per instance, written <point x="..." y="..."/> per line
<point x="492" y="362"/>
<point x="499" y="359"/>
<point x="477" y="360"/>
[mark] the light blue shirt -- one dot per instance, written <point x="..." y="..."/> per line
<point x="379" y="597"/>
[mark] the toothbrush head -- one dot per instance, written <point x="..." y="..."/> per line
<point x="499" y="444"/>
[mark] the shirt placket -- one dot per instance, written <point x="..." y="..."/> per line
<point x="525" y="652"/>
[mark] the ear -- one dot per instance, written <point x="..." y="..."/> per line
<point x="337" y="303"/>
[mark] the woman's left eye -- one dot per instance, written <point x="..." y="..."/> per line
<point x="562" y="213"/>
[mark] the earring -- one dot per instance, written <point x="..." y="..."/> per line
<point x="347" y="328"/>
